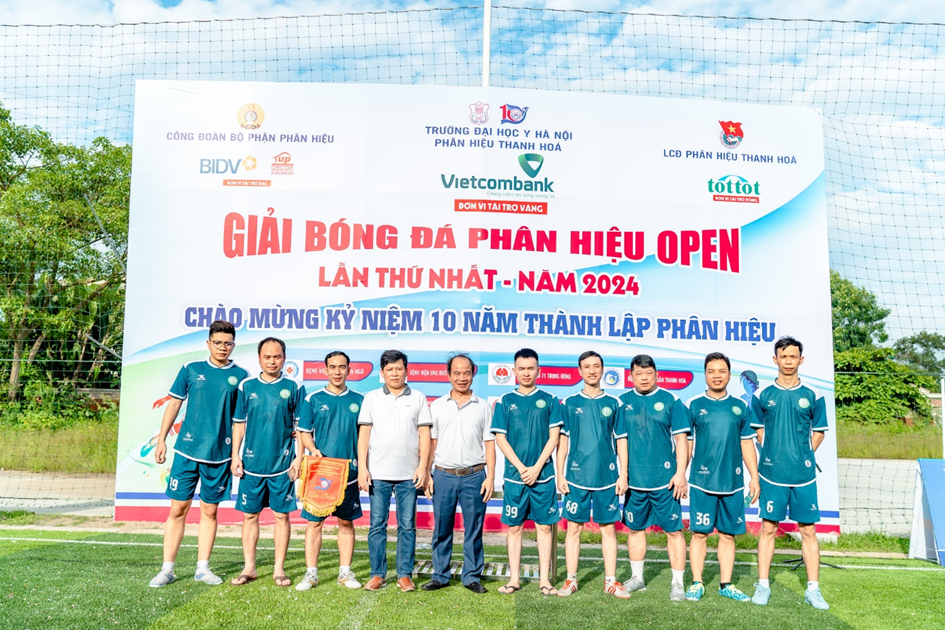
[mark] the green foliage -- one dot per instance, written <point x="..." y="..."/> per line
<point x="858" y="319"/>
<point x="923" y="352"/>
<point x="872" y="388"/>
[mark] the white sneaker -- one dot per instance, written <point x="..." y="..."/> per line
<point x="208" y="577"/>
<point x="309" y="580"/>
<point x="162" y="579"/>
<point x="348" y="580"/>
<point x="634" y="584"/>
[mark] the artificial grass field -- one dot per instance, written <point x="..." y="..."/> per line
<point x="60" y="579"/>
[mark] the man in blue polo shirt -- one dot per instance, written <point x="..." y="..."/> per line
<point x="202" y="450"/>
<point x="657" y="424"/>
<point x="329" y="428"/>
<point x="592" y="472"/>
<point x="265" y="456"/>
<point x="527" y="423"/>
<point x="790" y="419"/>
<point x="721" y="439"/>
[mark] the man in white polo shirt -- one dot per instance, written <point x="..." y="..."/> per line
<point x="463" y="474"/>
<point x="393" y="459"/>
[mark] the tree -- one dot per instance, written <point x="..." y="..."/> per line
<point x="61" y="273"/>
<point x="922" y="352"/>
<point x="858" y="319"/>
<point x="872" y="388"/>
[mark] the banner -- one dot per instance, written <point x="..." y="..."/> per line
<point x="442" y="219"/>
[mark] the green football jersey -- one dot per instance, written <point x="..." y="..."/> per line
<point x="270" y="411"/>
<point x="788" y="417"/>
<point x="525" y="420"/>
<point x="718" y="427"/>
<point x="652" y="421"/>
<point x="332" y="419"/>
<point x="210" y="392"/>
<point x="593" y="426"/>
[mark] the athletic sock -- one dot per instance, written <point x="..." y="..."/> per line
<point x="610" y="579"/>
<point x="343" y="570"/>
<point x="313" y="571"/>
<point x="572" y="577"/>
<point x="636" y="568"/>
<point x="724" y="585"/>
<point x="203" y="565"/>
<point x="167" y="567"/>
<point x="677" y="576"/>
<point x="763" y="583"/>
<point x="813" y="585"/>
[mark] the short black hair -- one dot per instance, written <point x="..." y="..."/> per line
<point x="525" y="353"/>
<point x="588" y="355"/>
<point x="460" y="355"/>
<point x="337" y="353"/>
<point x="393" y="356"/>
<point x="717" y="356"/>
<point x="222" y="326"/>
<point x="642" y="361"/>
<point x="787" y="341"/>
<point x="267" y="340"/>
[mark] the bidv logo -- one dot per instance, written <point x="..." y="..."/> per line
<point x="513" y="114"/>
<point x="479" y="113"/>
<point x="732" y="134"/>
<point x="223" y="166"/>
<point x="734" y="189"/>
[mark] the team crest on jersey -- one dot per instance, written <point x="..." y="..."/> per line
<point x="354" y="407"/>
<point x="285" y="393"/>
<point x="737" y="410"/>
<point x="659" y="406"/>
<point x="232" y="380"/>
<point x="540" y="403"/>
<point x="803" y="403"/>
<point x="607" y="412"/>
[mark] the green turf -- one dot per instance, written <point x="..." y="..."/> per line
<point x="66" y="585"/>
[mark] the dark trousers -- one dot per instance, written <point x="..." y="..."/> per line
<point x="448" y="492"/>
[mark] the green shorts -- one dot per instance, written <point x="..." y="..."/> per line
<point x="579" y="504"/>
<point x="646" y="508"/>
<point x="215" y="480"/>
<point x="256" y="493"/>
<point x="724" y="512"/>
<point x="797" y="502"/>
<point x="349" y="510"/>
<point x="538" y="503"/>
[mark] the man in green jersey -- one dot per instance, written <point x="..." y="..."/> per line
<point x="592" y="471"/>
<point x="721" y="439"/>
<point x="791" y="419"/>
<point x="657" y="424"/>
<point x="203" y="449"/>
<point x="328" y="427"/>
<point x="527" y="423"/>
<point x="265" y="456"/>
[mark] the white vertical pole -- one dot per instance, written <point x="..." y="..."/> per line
<point x="941" y="402"/>
<point x="486" y="40"/>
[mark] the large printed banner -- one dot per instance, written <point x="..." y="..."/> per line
<point x="435" y="220"/>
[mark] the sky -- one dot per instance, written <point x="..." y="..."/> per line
<point x="880" y="88"/>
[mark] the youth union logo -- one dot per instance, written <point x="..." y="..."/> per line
<point x="732" y="134"/>
<point x="513" y="114"/>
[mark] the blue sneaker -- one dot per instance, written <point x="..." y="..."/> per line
<point x="761" y="596"/>
<point x="813" y="597"/>
<point x="695" y="592"/>
<point x="732" y="592"/>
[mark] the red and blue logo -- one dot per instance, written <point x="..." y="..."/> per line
<point x="732" y="134"/>
<point x="513" y="114"/>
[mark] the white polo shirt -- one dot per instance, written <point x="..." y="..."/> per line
<point x="461" y="432"/>
<point x="395" y="421"/>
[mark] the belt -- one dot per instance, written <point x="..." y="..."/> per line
<point x="462" y="472"/>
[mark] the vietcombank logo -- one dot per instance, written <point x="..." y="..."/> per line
<point x="734" y="189"/>
<point x="530" y="163"/>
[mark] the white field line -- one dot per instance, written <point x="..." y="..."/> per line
<point x="524" y="557"/>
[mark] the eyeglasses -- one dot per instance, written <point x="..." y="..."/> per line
<point x="223" y="344"/>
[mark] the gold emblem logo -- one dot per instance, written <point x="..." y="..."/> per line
<point x="250" y="116"/>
